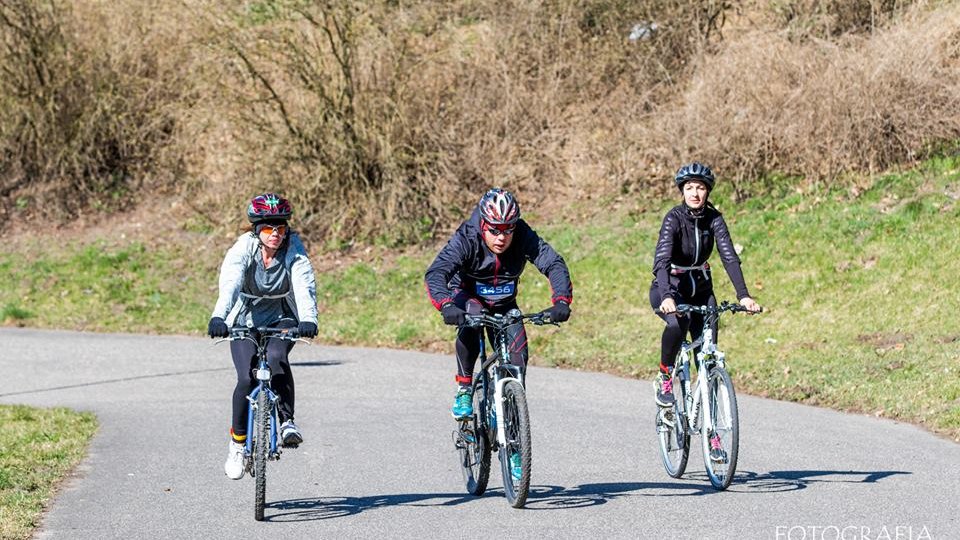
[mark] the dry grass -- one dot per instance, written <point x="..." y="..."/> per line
<point x="767" y="104"/>
<point x="384" y="121"/>
<point x="89" y="107"/>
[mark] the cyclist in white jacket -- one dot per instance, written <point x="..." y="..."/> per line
<point x="267" y="280"/>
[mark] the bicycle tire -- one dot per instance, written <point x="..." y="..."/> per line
<point x="516" y="423"/>
<point x="475" y="455"/>
<point x="674" y="439"/>
<point x="722" y="403"/>
<point x="261" y="447"/>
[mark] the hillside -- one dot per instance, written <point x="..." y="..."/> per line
<point x="859" y="289"/>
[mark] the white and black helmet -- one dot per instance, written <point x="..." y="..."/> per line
<point x="498" y="207"/>
<point x="694" y="171"/>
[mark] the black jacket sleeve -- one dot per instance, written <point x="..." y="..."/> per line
<point x="728" y="255"/>
<point x="664" y="252"/>
<point x="548" y="262"/>
<point x="448" y="262"/>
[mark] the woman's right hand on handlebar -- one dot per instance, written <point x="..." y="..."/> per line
<point x="217" y="328"/>
<point x="667" y="306"/>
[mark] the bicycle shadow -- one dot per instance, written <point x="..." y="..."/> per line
<point x="320" y="508"/>
<point x="774" y="481"/>
<point x="696" y="484"/>
<point x="547" y="497"/>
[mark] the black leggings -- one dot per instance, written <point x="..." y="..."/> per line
<point x="245" y="361"/>
<point x="677" y="326"/>
<point x="468" y="340"/>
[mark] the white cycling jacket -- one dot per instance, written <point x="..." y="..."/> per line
<point x="302" y="298"/>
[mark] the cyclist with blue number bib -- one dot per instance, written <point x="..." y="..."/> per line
<point x="681" y="274"/>
<point x="479" y="269"/>
<point x="266" y="280"/>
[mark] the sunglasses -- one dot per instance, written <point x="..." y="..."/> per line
<point x="497" y="232"/>
<point x="270" y="229"/>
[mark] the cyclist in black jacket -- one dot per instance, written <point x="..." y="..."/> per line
<point x="479" y="269"/>
<point x="680" y="269"/>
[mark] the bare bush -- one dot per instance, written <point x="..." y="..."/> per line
<point x="831" y="18"/>
<point x="385" y="116"/>
<point x="85" y="120"/>
<point x="765" y="104"/>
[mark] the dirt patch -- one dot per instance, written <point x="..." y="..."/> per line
<point x="885" y="341"/>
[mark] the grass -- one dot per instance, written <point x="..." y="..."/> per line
<point x="38" y="447"/>
<point x="859" y="290"/>
<point x="105" y="286"/>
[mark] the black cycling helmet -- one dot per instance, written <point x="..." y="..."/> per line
<point x="694" y="171"/>
<point x="498" y="207"/>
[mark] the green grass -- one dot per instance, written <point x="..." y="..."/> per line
<point x="109" y="287"/>
<point x="38" y="447"/>
<point x="860" y="293"/>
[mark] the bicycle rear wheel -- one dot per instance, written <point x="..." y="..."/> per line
<point x="673" y="435"/>
<point x="473" y="449"/>
<point x="723" y="431"/>
<point x="261" y="447"/>
<point x="516" y="423"/>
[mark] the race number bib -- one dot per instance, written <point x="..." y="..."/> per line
<point x="496" y="292"/>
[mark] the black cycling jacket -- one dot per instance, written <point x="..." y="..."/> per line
<point x="686" y="240"/>
<point x="467" y="264"/>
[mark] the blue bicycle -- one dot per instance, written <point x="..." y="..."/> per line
<point x="262" y="421"/>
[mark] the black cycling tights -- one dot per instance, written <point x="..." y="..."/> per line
<point x="468" y="340"/>
<point x="245" y="361"/>
<point x="677" y="328"/>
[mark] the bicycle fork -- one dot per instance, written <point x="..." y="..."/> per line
<point x="272" y="400"/>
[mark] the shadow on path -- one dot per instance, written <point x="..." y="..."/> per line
<point x="582" y="496"/>
<point x="111" y="381"/>
<point x="334" y="507"/>
<point x="317" y="363"/>
<point x="556" y="497"/>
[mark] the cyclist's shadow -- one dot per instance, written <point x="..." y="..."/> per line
<point x="545" y="497"/>
<point x="314" y="509"/>
<point x="695" y="484"/>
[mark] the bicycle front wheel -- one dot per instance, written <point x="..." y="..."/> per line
<point x="515" y="456"/>
<point x="261" y="447"/>
<point x="721" y="436"/>
<point x="473" y="448"/>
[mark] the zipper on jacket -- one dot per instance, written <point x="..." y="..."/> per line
<point x="696" y="257"/>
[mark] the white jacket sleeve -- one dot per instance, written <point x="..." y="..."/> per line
<point x="231" y="277"/>
<point x="303" y="281"/>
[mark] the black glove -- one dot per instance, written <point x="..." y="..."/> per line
<point x="217" y="328"/>
<point x="559" y="312"/>
<point x="307" y="329"/>
<point x="453" y="315"/>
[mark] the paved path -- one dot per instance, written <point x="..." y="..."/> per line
<point x="378" y="461"/>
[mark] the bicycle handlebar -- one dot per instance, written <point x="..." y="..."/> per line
<point x="264" y="332"/>
<point x="713" y="310"/>
<point x="502" y="321"/>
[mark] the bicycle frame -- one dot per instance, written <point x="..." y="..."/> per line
<point x="708" y="357"/>
<point x="502" y="373"/>
<point x="263" y="376"/>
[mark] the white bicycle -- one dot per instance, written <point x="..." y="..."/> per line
<point x="709" y="408"/>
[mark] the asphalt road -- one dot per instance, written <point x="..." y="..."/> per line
<point x="378" y="461"/>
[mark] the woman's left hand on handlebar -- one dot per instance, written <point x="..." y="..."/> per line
<point x="750" y="304"/>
